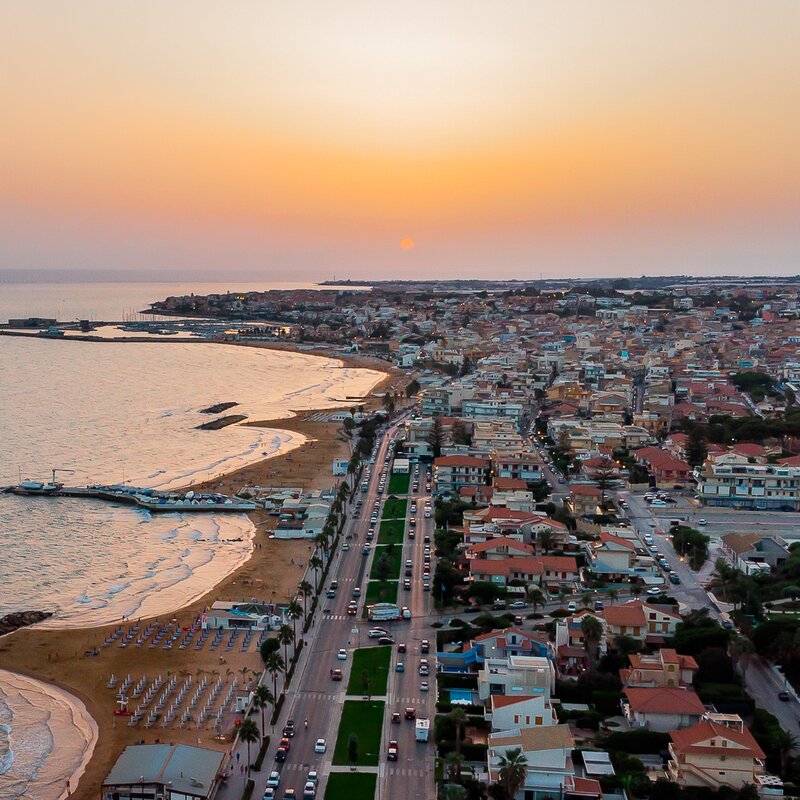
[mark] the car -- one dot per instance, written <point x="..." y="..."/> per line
<point x="702" y="521"/>
<point x="407" y="584"/>
<point x="319" y="746"/>
<point x="401" y="648"/>
<point x="728" y="625"/>
<point x="499" y="605"/>
<point x="345" y="547"/>
<point x="386" y="640"/>
<point x="658" y="503"/>
<point x="280" y="754"/>
<point x="652" y="524"/>
<point x="598" y="605"/>
<point x="336" y="675"/>
<point x="366" y="551"/>
<point x="395" y="716"/>
<point x="312" y="777"/>
<point x="426" y="587"/>
<point x="413" y="508"/>
<point x="674" y="578"/>
<point x="352" y="608"/>
<point x="285" y="742"/>
<point x="424" y="647"/>
<point x="423" y="686"/>
<point x="290" y="794"/>
<point x="426" y="539"/>
<point x="424" y="671"/>
<point x="518" y="604"/>
<point x="399" y="667"/>
<point x="572" y="606"/>
<point x="274" y="779"/>
<point x="269" y="794"/>
<point x="376" y="633"/>
<point x="288" y="728"/>
<point x="410" y="713"/>
<point x="330" y="594"/>
<point x="309" y="790"/>
<point x="784" y="696"/>
<point x="342" y="654"/>
<point x="391" y="752"/>
<point x="654" y="592"/>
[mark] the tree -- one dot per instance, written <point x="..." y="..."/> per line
<point x="605" y="476"/>
<point x="592" y="630"/>
<point x="412" y="388"/>
<point x="459" y="717"/>
<point x="452" y="763"/>
<point x="315" y="562"/>
<point x="513" y="770"/>
<point x="612" y="595"/>
<point x="285" y="637"/>
<point x="459" y="433"/>
<point x="546" y="539"/>
<point x="352" y="749"/>
<point x="435" y="437"/>
<point x="268" y="646"/>
<point x="453" y="791"/>
<point x="366" y="682"/>
<point x="535" y="597"/>
<point x="262" y="697"/>
<point x="304" y="589"/>
<point x="784" y="742"/>
<point x="275" y="665"/>
<point x="586" y="599"/>
<point x="696" y="447"/>
<point x="294" y="611"/>
<point x="249" y="733"/>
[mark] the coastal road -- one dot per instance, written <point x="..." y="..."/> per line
<point x="412" y="775"/>
<point x="313" y="695"/>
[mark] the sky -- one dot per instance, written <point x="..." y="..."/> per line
<point x="377" y="140"/>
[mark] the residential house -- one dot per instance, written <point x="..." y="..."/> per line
<point x="753" y="553"/>
<point x="664" y="668"/>
<point x="662" y="709"/>
<point x="516" y="676"/>
<point x="666" y="469"/>
<point x="712" y="754"/>
<point x="507" y="713"/>
<point x="453" y="472"/>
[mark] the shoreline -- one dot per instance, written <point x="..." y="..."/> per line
<point x="54" y="655"/>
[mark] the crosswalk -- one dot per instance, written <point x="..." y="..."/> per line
<point x="330" y="697"/>
<point x="329" y="617"/>
<point x="405" y="772"/>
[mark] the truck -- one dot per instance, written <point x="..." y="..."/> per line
<point x="422" y="729"/>
<point x="387" y="611"/>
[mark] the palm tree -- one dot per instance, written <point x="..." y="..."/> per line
<point x="546" y="539"/>
<point x="453" y="791"/>
<point x="784" y="741"/>
<point x="613" y="595"/>
<point x="513" y="769"/>
<point x="562" y="595"/>
<point x="321" y="541"/>
<point x="285" y="637"/>
<point x="740" y="650"/>
<point x="535" y="596"/>
<point x="453" y="762"/>
<point x="249" y="733"/>
<point x="275" y="664"/>
<point x="459" y="717"/>
<point x="636" y="589"/>
<point x="304" y="589"/>
<point x="262" y="697"/>
<point x="592" y="630"/>
<point x="294" y="611"/>
<point x="586" y="599"/>
<point x="315" y="562"/>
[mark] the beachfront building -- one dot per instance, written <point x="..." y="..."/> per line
<point x="163" y="772"/>
<point x="224" y="615"/>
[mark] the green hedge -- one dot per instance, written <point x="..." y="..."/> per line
<point x="638" y="742"/>
<point x="248" y="789"/>
<point x="262" y="752"/>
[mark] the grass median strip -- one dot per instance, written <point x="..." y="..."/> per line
<point x="372" y="662"/>
<point x="387" y="562"/>
<point x="391" y="531"/>
<point x="395" y="508"/>
<point x="381" y="592"/>
<point x="398" y="484"/>
<point x="352" y="785"/>
<point x="364" y="720"/>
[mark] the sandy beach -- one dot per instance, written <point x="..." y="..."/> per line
<point x="272" y="572"/>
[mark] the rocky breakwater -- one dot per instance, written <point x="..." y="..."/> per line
<point x="21" y="619"/>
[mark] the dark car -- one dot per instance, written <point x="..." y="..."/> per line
<point x="401" y="648"/>
<point x="288" y="728"/>
<point x="673" y="578"/>
<point x="395" y="716"/>
<point x="785" y="696"/>
<point x="411" y="713"/>
<point x="424" y="647"/>
<point x="386" y="640"/>
<point x="281" y="754"/>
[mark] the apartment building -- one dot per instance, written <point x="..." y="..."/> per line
<point x="451" y="473"/>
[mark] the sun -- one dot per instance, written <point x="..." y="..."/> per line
<point x="407" y="243"/>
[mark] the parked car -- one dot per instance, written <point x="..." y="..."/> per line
<point x="518" y="604"/>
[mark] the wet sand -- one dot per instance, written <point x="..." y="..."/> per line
<point x="272" y="572"/>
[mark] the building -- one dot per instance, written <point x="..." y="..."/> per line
<point x="732" y="480"/>
<point x="451" y="473"/>
<point x="515" y="676"/>
<point x="508" y="713"/>
<point x="662" y="709"/>
<point x="225" y="615"/>
<point x="752" y="553"/>
<point x="163" y="772"/>
<point x="664" y="668"/>
<point x="713" y="754"/>
<point x="641" y="621"/>
<point x="549" y="771"/>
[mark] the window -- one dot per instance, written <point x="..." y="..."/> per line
<point x="539" y="720"/>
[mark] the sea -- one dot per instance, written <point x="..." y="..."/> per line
<point x="123" y="412"/>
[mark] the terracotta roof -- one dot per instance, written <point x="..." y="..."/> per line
<point x="501" y="701"/>
<point x="500" y="541"/>
<point x="664" y="701"/>
<point x="507" y="484"/>
<point x="460" y="461"/>
<point x="504" y="632"/>
<point x="627" y="614"/>
<point x="584" y="490"/>
<point x="740" y="542"/>
<point x="693" y="739"/>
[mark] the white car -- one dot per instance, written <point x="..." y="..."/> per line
<point x="654" y="592"/>
<point x="342" y="655"/>
<point x="376" y="633"/>
<point x="309" y="790"/>
<point x="269" y="794"/>
<point x="702" y="522"/>
<point x="274" y="779"/>
<point x="319" y="746"/>
<point x="518" y="604"/>
<point x="423" y="687"/>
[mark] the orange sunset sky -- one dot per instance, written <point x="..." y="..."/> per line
<point x="414" y="139"/>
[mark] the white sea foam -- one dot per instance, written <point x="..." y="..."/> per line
<point x="110" y="411"/>
<point x="46" y="739"/>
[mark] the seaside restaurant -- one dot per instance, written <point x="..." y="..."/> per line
<point x="252" y="615"/>
<point x="163" y="772"/>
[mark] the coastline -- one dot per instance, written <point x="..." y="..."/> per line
<point x="271" y="571"/>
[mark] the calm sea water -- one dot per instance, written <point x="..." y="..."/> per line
<point x="129" y="411"/>
<point x="110" y="302"/>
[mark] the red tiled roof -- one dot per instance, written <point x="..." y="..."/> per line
<point x="460" y="461"/>
<point x="584" y="490"/>
<point x="501" y="541"/>
<point x="690" y="740"/>
<point x="664" y="701"/>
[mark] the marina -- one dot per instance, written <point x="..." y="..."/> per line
<point x="150" y="499"/>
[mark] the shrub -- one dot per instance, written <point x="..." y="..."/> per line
<point x="261" y="754"/>
<point x="638" y="742"/>
<point x="248" y="789"/>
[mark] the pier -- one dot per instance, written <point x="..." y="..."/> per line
<point x="149" y="499"/>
